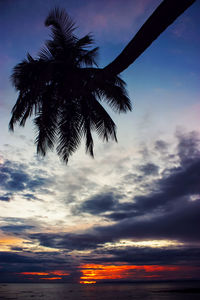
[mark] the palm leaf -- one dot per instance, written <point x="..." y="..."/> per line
<point x="62" y="28"/>
<point x="69" y="130"/>
<point x="46" y="122"/>
<point x="100" y="119"/>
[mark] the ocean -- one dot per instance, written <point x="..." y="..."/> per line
<point x="61" y="291"/>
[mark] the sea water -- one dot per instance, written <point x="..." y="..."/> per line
<point x="146" y="291"/>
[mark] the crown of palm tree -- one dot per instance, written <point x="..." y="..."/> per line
<point x="63" y="91"/>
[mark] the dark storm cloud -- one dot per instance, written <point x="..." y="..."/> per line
<point x="16" y="177"/>
<point x="182" y="223"/>
<point x="117" y="216"/>
<point x="70" y="242"/>
<point x="99" y="203"/>
<point x="106" y="205"/>
<point x="150" y="256"/>
<point x="182" y="182"/>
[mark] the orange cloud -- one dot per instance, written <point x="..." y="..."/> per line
<point x="87" y="282"/>
<point x="58" y="273"/>
<point x="35" y="273"/>
<point x="93" y="272"/>
<point x="7" y="241"/>
<point x="51" y="278"/>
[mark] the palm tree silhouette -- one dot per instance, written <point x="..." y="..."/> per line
<point x="63" y="89"/>
<point x="59" y="88"/>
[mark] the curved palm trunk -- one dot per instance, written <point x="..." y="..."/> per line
<point x="165" y="14"/>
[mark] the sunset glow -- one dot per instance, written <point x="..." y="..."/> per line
<point x="35" y="273"/>
<point x="39" y="275"/>
<point x="51" y="278"/>
<point x="94" y="272"/>
<point x="87" y="282"/>
<point x="7" y="241"/>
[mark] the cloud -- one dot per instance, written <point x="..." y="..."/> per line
<point x="150" y="256"/>
<point x="6" y="197"/>
<point x="163" y="204"/>
<point x="13" y="265"/>
<point x="161" y="146"/>
<point x="17" y="177"/>
<point x="69" y="241"/>
<point x="181" y="224"/>
<point x="16" y="228"/>
<point x="169" y="210"/>
<point x="149" y="169"/>
<point x="174" y="186"/>
<point x="188" y="147"/>
<point x="99" y="203"/>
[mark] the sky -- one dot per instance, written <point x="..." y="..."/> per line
<point x="132" y="212"/>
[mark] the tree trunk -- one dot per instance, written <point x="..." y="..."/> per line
<point x="165" y="14"/>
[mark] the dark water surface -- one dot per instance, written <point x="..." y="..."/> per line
<point x="148" y="291"/>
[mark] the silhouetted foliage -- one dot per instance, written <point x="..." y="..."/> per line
<point x="63" y="90"/>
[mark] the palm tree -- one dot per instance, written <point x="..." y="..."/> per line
<point x="59" y="88"/>
<point x="64" y="89"/>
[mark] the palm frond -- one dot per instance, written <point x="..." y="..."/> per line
<point x="100" y="120"/>
<point x="62" y="27"/>
<point x="89" y="57"/>
<point x="114" y="93"/>
<point x="22" y="110"/>
<point x="30" y="74"/>
<point x="45" y="54"/>
<point x="85" y="41"/>
<point x="69" y="131"/>
<point x="88" y="137"/>
<point x="46" y="123"/>
<point x="87" y="125"/>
